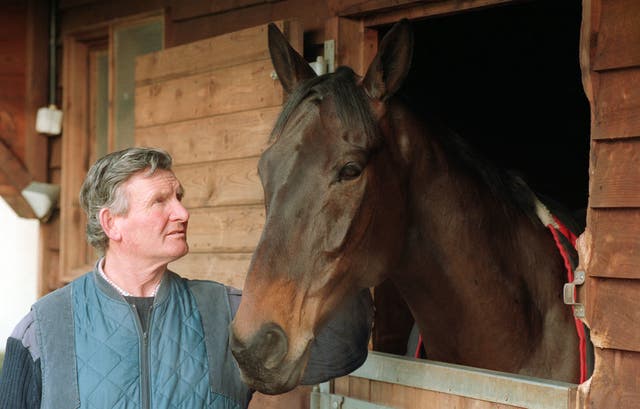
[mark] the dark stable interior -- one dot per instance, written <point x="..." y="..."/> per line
<point x="507" y="79"/>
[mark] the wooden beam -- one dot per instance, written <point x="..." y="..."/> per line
<point x="17" y="175"/>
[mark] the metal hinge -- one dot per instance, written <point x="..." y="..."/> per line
<point x="569" y="294"/>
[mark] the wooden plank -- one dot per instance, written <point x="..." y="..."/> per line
<point x="55" y="152"/>
<point x="341" y="385"/>
<point x="359" y="7"/>
<point x="37" y="75"/>
<point x="355" y="45"/>
<point x="615" y="174"/>
<point x="225" y="229"/>
<point x="613" y="312"/>
<point x="227" y="268"/>
<point x="615" y="242"/>
<point x="73" y="255"/>
<point x="615" y="382"/>
<point x="234" y="182"/>
<point x="14" y="170"/>
<point x="617" y="44"/>
<point x="233" y="89"/>
<point x="205" y="55"/>
<point x="181" y="10"/>
<point x="399" y="396"/>
<point x="231" y="136"/>
<point x="379" y="12"/>
<point x="298" y="398"/>
<point x="617" y="104"/>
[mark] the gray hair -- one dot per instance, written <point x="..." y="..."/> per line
<point x="102" y="186"/>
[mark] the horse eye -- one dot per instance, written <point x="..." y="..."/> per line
<point x="350" y="171"/>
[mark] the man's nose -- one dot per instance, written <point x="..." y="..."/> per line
<point x="180" y="212"/>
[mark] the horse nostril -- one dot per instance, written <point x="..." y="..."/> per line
<point x="266" y="349"/>
<point x="274" y="345"/>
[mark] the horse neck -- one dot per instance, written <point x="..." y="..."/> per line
<point x="472" y="262"/>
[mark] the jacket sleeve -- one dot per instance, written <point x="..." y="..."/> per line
<point x="21" y="380"/>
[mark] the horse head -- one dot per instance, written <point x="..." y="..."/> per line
<point x="333" y="183"/>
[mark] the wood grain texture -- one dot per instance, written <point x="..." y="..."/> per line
<point x="613" y="313"/>
<point x="227" y="268"/>
<point x="615" y="382"/>
<point x="239" y="88"/>
<point x="234" y="182"/>
<point x="616" y="108"/>
<point x="225" y="229"/>
<point x="615" y="174"/>
<point x="231" y="136"/>
<point x="205" y="55"/>
<point x="617" y="42"/>
<point x="616" y="243"/>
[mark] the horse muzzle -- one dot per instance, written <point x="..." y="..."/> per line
<point x="263" y="360"/>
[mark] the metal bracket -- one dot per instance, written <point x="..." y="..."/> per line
<point x="569" y="294"/>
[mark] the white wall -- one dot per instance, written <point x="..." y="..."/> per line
<point x="18" y="268"/>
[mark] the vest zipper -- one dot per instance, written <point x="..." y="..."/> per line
<point x="145" y="385"/>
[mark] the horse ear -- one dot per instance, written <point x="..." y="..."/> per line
<point x="290" y="66"/>
<point x="391" y="64"/>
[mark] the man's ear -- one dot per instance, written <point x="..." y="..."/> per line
<point x="109" y="225"/>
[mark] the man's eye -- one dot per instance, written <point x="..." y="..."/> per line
<point x="350" y="171"/>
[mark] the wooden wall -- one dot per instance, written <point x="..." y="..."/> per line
<point x="610" y="59"/>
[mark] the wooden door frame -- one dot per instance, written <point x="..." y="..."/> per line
<point x="76" y="149"/>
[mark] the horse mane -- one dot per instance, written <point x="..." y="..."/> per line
<point x="350" y="102"/>
<point x="506" y="186"/>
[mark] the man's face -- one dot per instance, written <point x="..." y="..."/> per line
<point x="155" y="227"/>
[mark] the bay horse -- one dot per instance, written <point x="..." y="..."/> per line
<point x="358" y="189"/>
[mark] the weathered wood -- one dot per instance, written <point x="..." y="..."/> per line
<point x="231" y="136"/>
<point x="234" y="182"/>
<point x="232" y="89"/>
<point x="239" y="47"/>
<point x="617" y="104"/>
<point x="615" y="174"/>
<point x="616" y="243"/>
<point x="613" y="312"/>
<point x="232" y="229"/>
<point x="617" y="43"/>
<point x="616" y="382"/>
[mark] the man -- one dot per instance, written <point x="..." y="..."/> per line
<point x="132" y="334"/>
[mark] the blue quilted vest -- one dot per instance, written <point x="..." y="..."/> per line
<point x="182" y="362"/>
